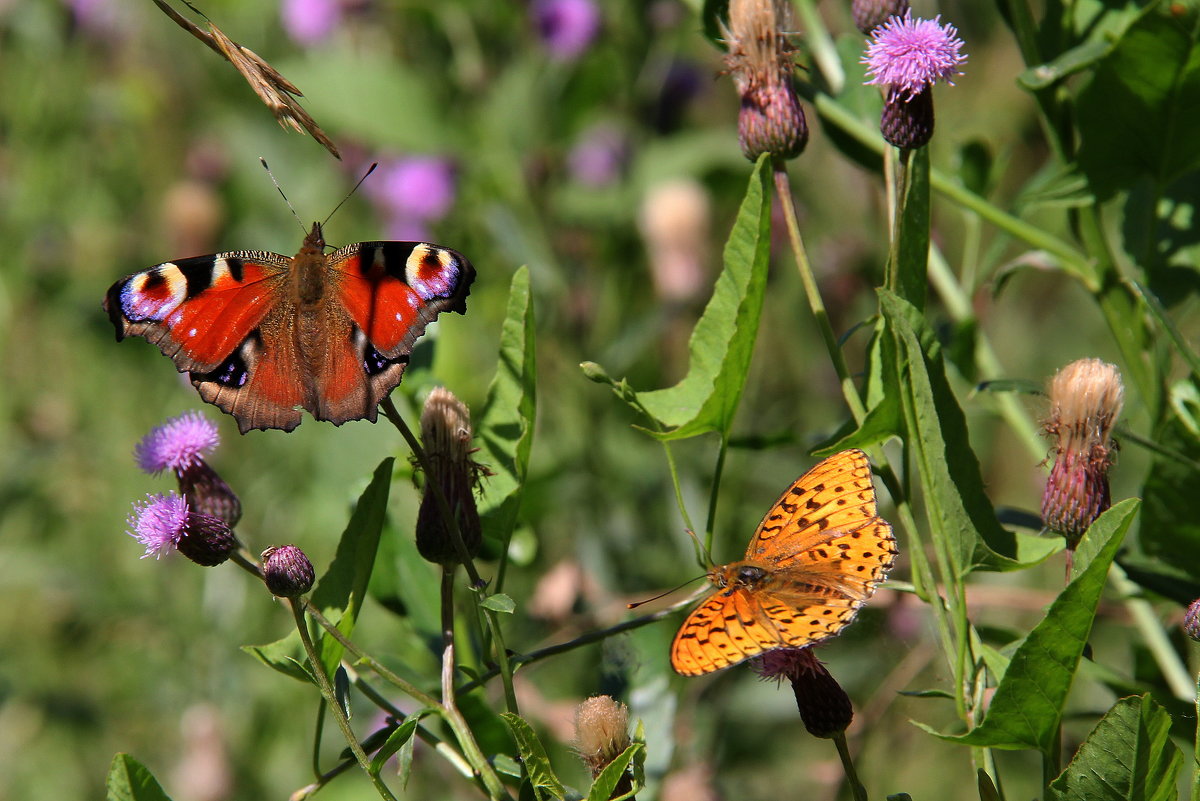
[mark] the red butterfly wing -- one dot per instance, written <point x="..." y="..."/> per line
<point x="223" y="319"/>
<point x="389" y="291"/>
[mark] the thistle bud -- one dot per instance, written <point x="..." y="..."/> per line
<point x="760" y="58"/>
<point x="1086" y="397"/>
<point x="602" y="735"/>
<point x="207" y="540"/>
<point x="907" y="122"/>
<point x="1191" y="621"/>
<point x="870" y="14"/>
<point x="287" y="571"/>
<point x="824" y="706"/>
<point x="207" y="493"/>
<point x="446" y="435"/>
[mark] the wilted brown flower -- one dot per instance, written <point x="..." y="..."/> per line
<point x="1086" y="397"/>
<point x="446" y="435"/>
<point x="602" y="735"/>
<point x="760" y="59"/>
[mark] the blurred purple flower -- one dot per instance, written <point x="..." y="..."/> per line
<point x="310" y="22"/>
<point x="599" y="156"/>
<point x="158" y="523"/>
<point x="95" y="16"/>
<point x="912" y="54"/>
<point x="177" y="444"/>
<point x="412" y="192"/>
<point x="567" y="27"/>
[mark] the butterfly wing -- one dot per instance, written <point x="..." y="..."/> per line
<point x="224" y="319"/>
<point x="386" y="294"/>
<point x="824" y="531"/>
<point x="728" y="627"/>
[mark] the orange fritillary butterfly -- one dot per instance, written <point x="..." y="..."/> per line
<point x="816" y="557"/>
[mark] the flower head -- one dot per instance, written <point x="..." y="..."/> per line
<point x="1086" y="397"/>
<point x="177" y="444"/>
<point x="599" y="156"/>
<point x="413" y="192"/>
<point x="159" y="523"/>
<point x="824" y="706"/>
<point x="446" y="435"/>
<point x="771" y="119"/>
<point x="567" y="27"/>
<point x="287" y="571"/>
<point x="912" y="54"/>
<point x="1191" y="620"/>
<point x="309" y="22"/>
<point x="602" y="735"/>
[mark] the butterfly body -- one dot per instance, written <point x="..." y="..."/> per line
<point x="263" y="336"/>
<point x="815" y="558"/>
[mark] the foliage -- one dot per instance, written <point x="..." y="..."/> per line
<point x="857" y="296"/>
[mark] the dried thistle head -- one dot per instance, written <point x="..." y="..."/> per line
<point x="601" y="731"/>
<point x="446" y="436"/>
<point x="1086" y="398"/>
<point x="760" y="59"/>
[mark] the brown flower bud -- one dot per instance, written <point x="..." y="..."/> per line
<point x="760" y="59"/>
<point x="287" y="571"/>
<point x="207" y="493"/>
<point x="870" y="14"/>
<point x="446" y="435"/>
<point x="206" y="540"/>
<point x="824" y="706"/>
<point x="907" y="122"/>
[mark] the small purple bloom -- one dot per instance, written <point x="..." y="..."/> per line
<point x="310" y="22"/>
<point x="567" y="27"/>
<point x="417" y="188"/>
<point x="599" y="156"/>
<point x="177" y="444"/>
<point x="911" y="54"/>
<point x="158" y="523"/>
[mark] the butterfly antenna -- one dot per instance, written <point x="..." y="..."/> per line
<point x="281" y="194"/>
<point x="366" y="174"/>
<point x="636" y="604"/>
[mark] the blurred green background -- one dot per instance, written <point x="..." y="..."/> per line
<point x="614" y="172"/>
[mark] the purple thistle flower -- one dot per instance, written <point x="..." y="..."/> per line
<point x="912" y="54"/>
<point x="567" y="27"/>
<point x="599" y="157"/>
<point x="414" y="190"/>
<point x="159" y="523"/>
<point x="309" y="22"/>
<point x="177" y="444"/>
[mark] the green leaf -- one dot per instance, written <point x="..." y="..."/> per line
<point x="1129" y="756"/>
<point x="911" y="252"/>
<point x="340" y="593"/>
<point x="723" y="340"/>
<point x="399" y="742"/>
<point x="505" y="764"/>
<point x="957" y="505"/>
<point x="499" y="603"/>
<point x="606" y="782"/>
<point x="285" y="655"/>
<point x="537" y="764"/>
<point x="506" y="424"/>
<point x="1140" y="113"/>
<point x="1170" y="530"/>
<point x="1027" y="707"/>
<point x="130" y="780"/>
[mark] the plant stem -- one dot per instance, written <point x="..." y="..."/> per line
<point x="856" y="787"/>
<point x="339" y="714"/>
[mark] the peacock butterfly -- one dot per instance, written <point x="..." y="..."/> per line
<point x="263" y="336"/>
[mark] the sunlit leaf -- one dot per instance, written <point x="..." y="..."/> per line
<point x="533" y="754"/>
<point x="130" y="780"/>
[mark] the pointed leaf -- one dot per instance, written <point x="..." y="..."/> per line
<point x="1027" y="707"/>
<point x="130" y="780"/>
<point x="1129" y="756"/>
<point x="606" y="782"/>
<point x="341" y="591"/>
<point x="506" y="425"/>
<point x="533" y="754"/>
<point x="499" y="603"/>
<point x="958" y="506"/>
<point x="723" y="339"/>
<point x="285" y="655"/>
<point x="912" y="235"/>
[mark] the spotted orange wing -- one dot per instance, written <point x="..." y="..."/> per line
<point x="817" y="555"/>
